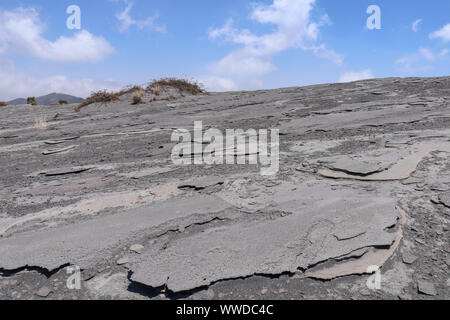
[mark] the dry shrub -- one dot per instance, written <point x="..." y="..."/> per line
<point x="156" y="89"/>
<point x="40" y="123"/>
<point x="130" y="89"/>
<point x="105" y="97"/>
<point x="101" y="96"/>
<point x="183" y="85"/>
<point x="3" y="104"/>
<point x="138" y="95"/>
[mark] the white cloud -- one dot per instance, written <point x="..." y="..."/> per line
<point x="443" y="34"/>
<point x="429" y="55"/>
<point x="21" y="30"/>
<point x="411" y="66"/>
<point x="239" y="63"/>
<point x="356" y="75"/>
<point x="323" y="52"/>
<point x="294" y="29"/>
<point x="415" y="25"/>
<point x="215" y="84"/>
<point x="444" y="52"/>
<point x="416" y="62"/>
<point x="126" y="21"/>
<point x="16" y="84"/>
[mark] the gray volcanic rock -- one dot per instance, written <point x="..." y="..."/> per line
<point x="445" y="199"/>
<point x="299" y="240"/>
<point x="426" y="287"/>
<point x="363" y="168"/>
<point x="358" y="165"/>
<point x="80" y="243"/>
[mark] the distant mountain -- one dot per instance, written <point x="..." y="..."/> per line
<point x="48" y="99"/>
<point x="18" y="101"/>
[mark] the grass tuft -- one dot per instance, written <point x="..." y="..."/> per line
<point x="3" y="104"/>
<point x="40" y="123"/>
<point x="129" y="89"/>
<point x="138" y="95"/>
<point x="183" y="85"/>
<point x="101" y="96"/>
<point x="105" y="97"/>
<point x="155" y="87"/>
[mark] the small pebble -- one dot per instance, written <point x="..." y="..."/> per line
<point x="43" y="292"/>
<point x="122" y="261"/>
<point x="426" y="288"/>
<point x="138" y="248"/>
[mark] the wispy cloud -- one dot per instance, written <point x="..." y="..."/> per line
<point x="417" y="62"/>
<point x="356" y="75"/>
<point x="126" y="21"/>
<point x="442" y="34"/>
<point x="424" y="59"/>
<point x="429" y="55"/>
<point x="415" y="25"/>
<point x="21" y="30"/>
<point x="214" y="83"/>
<point x="15" y="83"/>
<point x="294" y="29"/>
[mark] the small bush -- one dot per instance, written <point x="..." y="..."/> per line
<point x="182" y="85"/>
<point x="130" y="89"/>
<point x="105" y="97"/>
<point x="61" y="102"/>
<point x="138" y="95"/>
<point x="155" y="87"/>
<point x="156" y="90"/>
<point x="101" y="96"/>
<point x="3" y="104"/>
<point x="32" y="101"/>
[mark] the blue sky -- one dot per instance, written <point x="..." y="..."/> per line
<point x="226" y="45"/>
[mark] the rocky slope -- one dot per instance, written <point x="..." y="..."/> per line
<point x="363" y="181"/>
